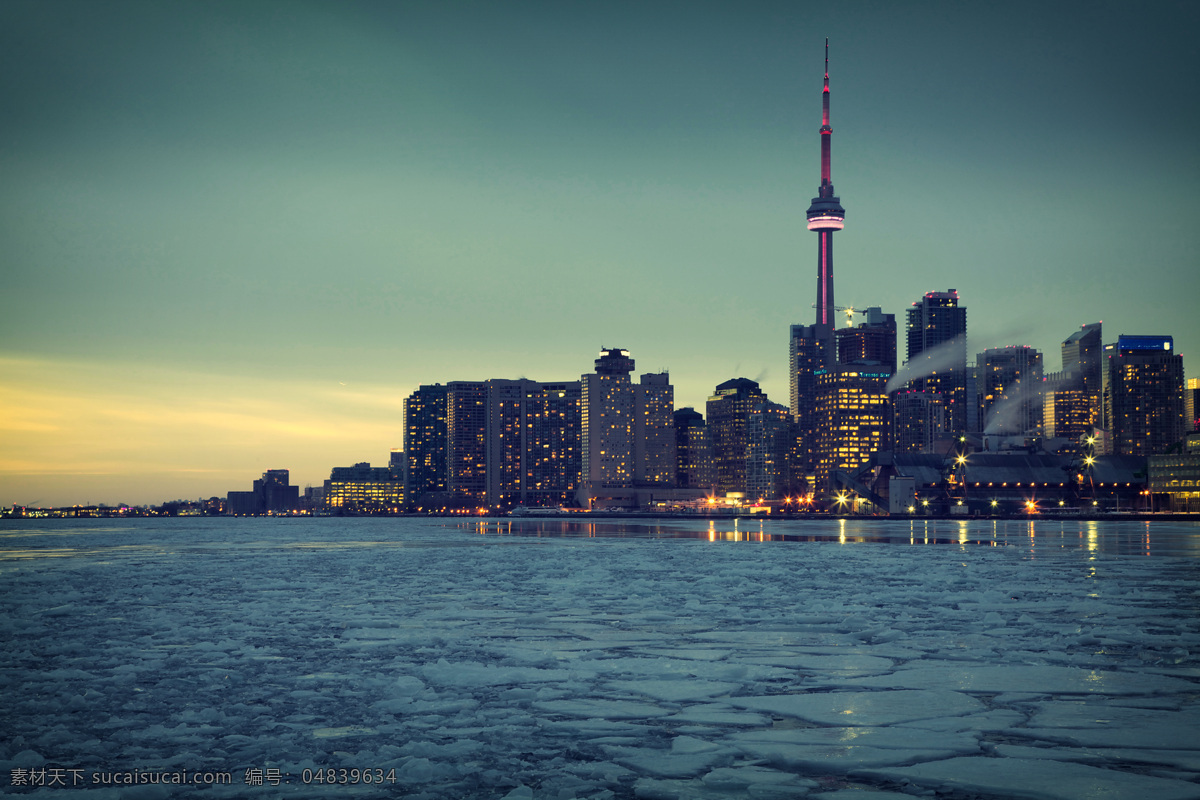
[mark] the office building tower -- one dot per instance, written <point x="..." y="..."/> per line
<point x="729" y="410"/>
<point x="768" y="428"/>
<point x="532" y="443"/>
<point x="869" y="342"/>
<point x="1010" y="390"/>
<point x="693" y="459"/>
<point x="806" y="357"/>
<point x="397" y="464"/>
<point x="1192" y="405"/>
<point x="936" y="337"/>
<point x="919" y="420"/>
<point x="853" y="419"/>
<point x="425" y="444"/>
<point x="1082" y="358"/>
<point x="1067" y="411"/>
<point x="1144" y="395"/>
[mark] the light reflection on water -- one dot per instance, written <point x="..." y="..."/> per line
<point x="184" y="537"/>
<point x="1113" y="537"/>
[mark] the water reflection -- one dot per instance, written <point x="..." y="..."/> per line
<point x="1133" y="537"/>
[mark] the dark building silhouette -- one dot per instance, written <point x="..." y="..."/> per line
<point x="1082" y="363"/>
<point x="729" y="411"/>
<point x="1010" y="390"/>
<point x="936" y="338"/>
<point x="919" y="420"/>
<point x="272" y="494"/>
<point x="425" y="443"/>
<point x="693" y="455"/>
<point x="807" y="356"/>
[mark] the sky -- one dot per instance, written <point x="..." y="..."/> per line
<point x="235" y="236"/>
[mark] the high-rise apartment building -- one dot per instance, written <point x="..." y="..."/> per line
<point x="628" y="429"/>
<point x="1144" y="395"/>
<point x="1010" y="390"/>
<point x="425" y="443"/>
<point x="466" y="442"/>
<point x="654" y="430"/>
<point x="936" y="337"/>
<point x="553" y="426"/>
<point x="693" y="456"/>
<point x="495" y="444"/>
<point x="607" y="410"/>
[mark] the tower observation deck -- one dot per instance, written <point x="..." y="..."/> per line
<point x="825" y="216"/>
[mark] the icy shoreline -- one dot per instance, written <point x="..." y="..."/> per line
<point x="555" y="666"/>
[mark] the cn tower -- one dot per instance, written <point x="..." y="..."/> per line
<point x="825" y="216"/>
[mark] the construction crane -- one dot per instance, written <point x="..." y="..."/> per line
<point x="849" y="311"/>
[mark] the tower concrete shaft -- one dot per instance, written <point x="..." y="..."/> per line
<point x="825" y="216"/>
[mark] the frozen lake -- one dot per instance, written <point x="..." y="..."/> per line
<point x="545" y="658"/>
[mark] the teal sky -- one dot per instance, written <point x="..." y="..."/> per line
<point x="234" y="236"/>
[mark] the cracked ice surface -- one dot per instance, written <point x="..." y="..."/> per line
<point x="1053" y="660"/>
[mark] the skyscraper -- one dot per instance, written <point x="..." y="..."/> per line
<point x="425" y="443"/>
<point x="654" y="430"/>
<point x="918" y="420"/>
<point x="1073" y="405"/>
<point x="937" y="352"/>
<point x="1010" y="389"/>
<point x="768" y="441"/>
<point x="1082" y="356"/>
<point x="693" y="458"/>
<point x="1144" y="395"/>
<point x="552" y="424"/>
<point x="729" y="411"/>
<point x="608" y="408"/>
<point x="870" y="342"/>
<point x="1192" y="405"/>
<point x="807" y="355"/>
<point x="628" y="431"/>
<point x="853" y="419"/>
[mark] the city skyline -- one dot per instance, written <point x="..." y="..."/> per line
<point x="239" y="238"/>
